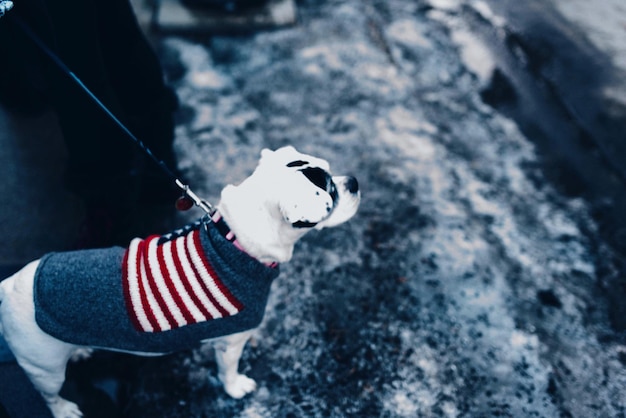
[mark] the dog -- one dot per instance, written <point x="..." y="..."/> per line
<point x="206" y="282"/>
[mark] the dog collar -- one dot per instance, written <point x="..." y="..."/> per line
<point x="226" y="232"/>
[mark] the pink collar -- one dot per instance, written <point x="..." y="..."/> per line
<point x="226" y="232"/>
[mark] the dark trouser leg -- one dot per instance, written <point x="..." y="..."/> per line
<point x="100" y="158"/>
<point x="137" y="77"/>
<point x="102" y="44"/>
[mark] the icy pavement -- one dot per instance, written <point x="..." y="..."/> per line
<point x="466" y="285"/>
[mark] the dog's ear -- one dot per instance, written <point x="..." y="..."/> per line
<point x="266" y="152"/>
<point x="285" y="154"/>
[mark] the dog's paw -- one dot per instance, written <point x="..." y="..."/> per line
<point x="240" y="386"/>
<point x="62" y="408"/>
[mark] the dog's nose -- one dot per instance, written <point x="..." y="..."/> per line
<point x="352" y="185"/>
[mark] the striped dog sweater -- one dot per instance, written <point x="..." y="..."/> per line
<point x="161" y="294"/>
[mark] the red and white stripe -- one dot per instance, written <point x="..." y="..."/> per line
<point x="172" y="284"/>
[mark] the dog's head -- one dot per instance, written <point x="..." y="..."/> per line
<point x="288" y="194"/>
<point x="309" y="196"/>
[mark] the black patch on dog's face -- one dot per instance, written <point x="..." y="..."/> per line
<point x="323" y="180"/>
<point x="303" y="224"/>
<point x="298" y="163"/>
<point x="320" y="178"/>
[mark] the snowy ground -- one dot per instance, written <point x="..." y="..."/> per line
<point x="467" y="285"/>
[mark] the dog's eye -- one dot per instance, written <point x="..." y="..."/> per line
<point x="298" y="163"/>
<point x="323" y="180"/>
<point x="317" y="176"/>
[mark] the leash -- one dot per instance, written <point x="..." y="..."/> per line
<point x="188" y="198"/>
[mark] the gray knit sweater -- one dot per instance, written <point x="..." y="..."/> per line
<point x="162" y="294"/>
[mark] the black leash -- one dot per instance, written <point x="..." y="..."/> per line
<point x="189" y="198"/>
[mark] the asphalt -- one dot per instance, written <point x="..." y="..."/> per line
<point x="483" y="275"/>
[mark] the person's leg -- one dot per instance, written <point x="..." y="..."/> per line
<point x="102" y="166"/>
<point x="114" y="59"/>
<point x="100" y="158"/>
<point x="137" y="77"/>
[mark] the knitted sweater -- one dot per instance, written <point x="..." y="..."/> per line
<point x="162" y="294"/>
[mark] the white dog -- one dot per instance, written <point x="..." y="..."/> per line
<point x="207" y="281"/>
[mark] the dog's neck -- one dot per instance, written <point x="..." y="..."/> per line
<point x="254" y="217"/>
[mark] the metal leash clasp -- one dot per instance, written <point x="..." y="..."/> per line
<point x="190" y="198"/>
<point x="5" y="6"/>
